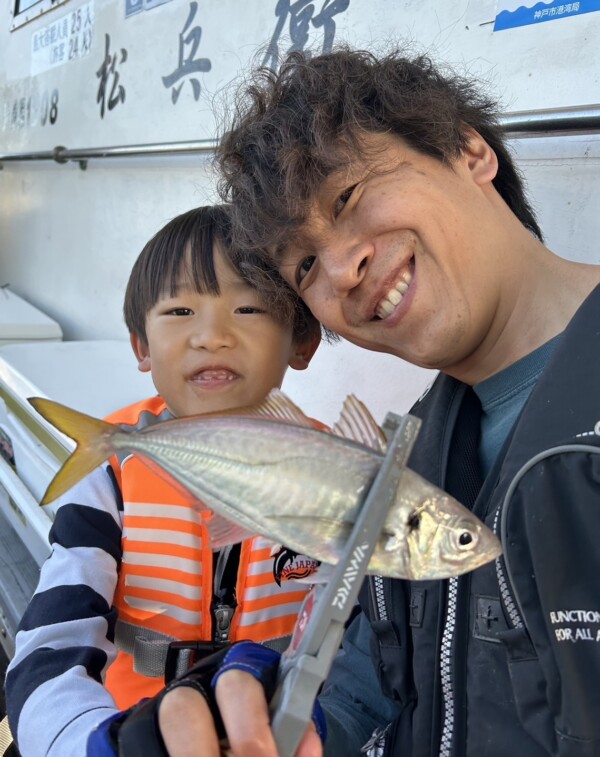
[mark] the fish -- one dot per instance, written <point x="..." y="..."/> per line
<point x="268" y="470"/>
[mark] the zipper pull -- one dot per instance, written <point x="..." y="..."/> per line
<point x="223" y="615"/>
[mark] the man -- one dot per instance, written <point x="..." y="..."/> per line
<point x="384" y="190"/>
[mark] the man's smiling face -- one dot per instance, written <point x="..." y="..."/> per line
<point x="395" y="254"/>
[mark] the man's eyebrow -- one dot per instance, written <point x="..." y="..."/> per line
<point x="279" y="251"/>
<point x="302" y="243"/>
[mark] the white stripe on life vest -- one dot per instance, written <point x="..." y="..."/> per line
<point x="163" y="584"/>
<point x="260" y="567"/>
<point x="163" y="608"/>
<point x="153" y="510"/>
<point x="163" y="537"/>
<point x="287" y="587"/>
<point x="164" y="561"/>
<point x="279" y="611"/>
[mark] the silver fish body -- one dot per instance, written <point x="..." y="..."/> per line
<point x="303" y="488"/>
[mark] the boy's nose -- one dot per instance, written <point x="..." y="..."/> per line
<point x="211" y="333"/>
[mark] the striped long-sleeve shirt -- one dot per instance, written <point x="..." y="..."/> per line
<point x="54" y="691"/>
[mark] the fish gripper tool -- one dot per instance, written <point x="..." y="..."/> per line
<point x="321" y="621"/>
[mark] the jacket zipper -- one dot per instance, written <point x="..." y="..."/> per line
<point x="447" y="684"/>
<point x="505" y="593"/>
<point x="379" y="597"/>
<point x="375" y="746"/>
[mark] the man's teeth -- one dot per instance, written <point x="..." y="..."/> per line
<point x="393" y="298"/>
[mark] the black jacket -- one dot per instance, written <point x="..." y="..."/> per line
<point x="505" y="661"/>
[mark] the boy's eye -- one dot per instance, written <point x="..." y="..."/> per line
<point x="304" y="268"/>
<point x="180" y="311"/>
<point x="249" y="310"/>
<point x="342" y="199"/>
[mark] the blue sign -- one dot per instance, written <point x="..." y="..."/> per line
<point x="542" y="11"/>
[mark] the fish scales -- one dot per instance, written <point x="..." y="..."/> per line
<point x="261" y="467"/>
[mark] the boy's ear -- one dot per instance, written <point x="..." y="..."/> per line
<point x="141" y="351"/>
<point x="481" y="160"/>
<point x="304" y="350"/>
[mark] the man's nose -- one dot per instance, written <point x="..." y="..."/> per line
<point x="346" y="264"/>
<point x="211" y="332"/>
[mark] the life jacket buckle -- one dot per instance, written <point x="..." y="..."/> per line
<point x="196" y="650"/>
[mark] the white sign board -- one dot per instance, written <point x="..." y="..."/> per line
<point x="66" y="39"/>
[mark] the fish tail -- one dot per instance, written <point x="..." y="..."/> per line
<point x="93" y="438"/>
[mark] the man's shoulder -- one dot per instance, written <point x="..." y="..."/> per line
<point x="438" y="394"/>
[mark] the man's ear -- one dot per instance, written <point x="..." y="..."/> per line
<point x="305" y="349"/>
<point x="481" y="160"/>
<point x="141" y="351"/>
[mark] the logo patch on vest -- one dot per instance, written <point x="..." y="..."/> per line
<point x="289" y="565"/>
<point x="489" y="619"/>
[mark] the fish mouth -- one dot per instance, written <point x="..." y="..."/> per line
<point x="396" y="293"/>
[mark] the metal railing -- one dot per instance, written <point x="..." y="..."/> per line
<point x="81" y="155"/>
<point x="551" y="122"/>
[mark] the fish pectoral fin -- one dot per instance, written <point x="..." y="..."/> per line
<point x="223" y="532"/>
<point x="357" y="423"/>
<point x="143" y="609"/>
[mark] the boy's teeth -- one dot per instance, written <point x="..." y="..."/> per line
<point x="216" y="375"/>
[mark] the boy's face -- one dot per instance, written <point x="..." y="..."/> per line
<point x="399" y="252"/>
<point x="209" y="353"/>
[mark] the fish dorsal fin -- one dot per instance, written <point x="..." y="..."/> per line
<point x="357" y="423"/>
<point x="279" y="406"/>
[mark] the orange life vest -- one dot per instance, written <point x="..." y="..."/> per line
<point x="165" y="584"/>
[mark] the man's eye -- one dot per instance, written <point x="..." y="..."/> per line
<point x="341" y="201"/>
<point x="304" y="268"/>
<point x="180" y="311"/>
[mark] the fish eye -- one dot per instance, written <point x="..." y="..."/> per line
<point x="465" y="539"/>
<point x="413" y="522"/>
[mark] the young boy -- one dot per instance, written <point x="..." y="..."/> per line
<point x="131" y="565"/>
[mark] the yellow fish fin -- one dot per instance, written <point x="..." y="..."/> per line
<point x="94" y="444"/>
<point x="357" y="423"/>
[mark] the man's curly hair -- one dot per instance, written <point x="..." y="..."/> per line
<point x="292" y="128"/>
